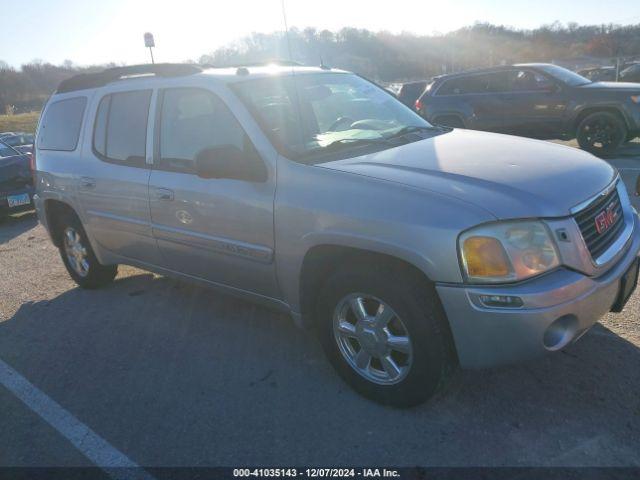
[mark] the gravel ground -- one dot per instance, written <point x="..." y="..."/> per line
<point x="176" y="375"/>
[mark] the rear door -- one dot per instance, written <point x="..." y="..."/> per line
<point x="480" y="97"/>
<point x="113" y="177"/>
<point x="218" y="229"/>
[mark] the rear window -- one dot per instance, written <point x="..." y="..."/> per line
<point x="60" y="126"/>
<point x="120" y="133"/>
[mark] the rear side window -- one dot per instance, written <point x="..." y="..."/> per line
<point x="60" y="126"/>
<point x="480" y="83"/>
<point x="120" y="131"/>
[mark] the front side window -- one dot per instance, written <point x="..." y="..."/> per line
<point x="120" y="133"/>
<point x="193" y="121"/>
<point x="310" y="115"/>
<point x="60" y="126"/>
<point x="529" y="81"/>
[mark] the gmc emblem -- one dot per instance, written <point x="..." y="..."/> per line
<point x="606" y="218"/>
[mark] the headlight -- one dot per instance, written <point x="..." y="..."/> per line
<point x="507" y="252"/>
<point x="635" y="98"/>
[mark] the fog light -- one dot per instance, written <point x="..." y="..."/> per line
<point x="501" y="301"/>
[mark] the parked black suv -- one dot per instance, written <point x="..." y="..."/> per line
<point x="409" y="92"/>
<point x="536" y="100"/>
<point x="16" y="184"/>
<point x="631" y="73"/>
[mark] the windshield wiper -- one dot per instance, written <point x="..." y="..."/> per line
<point x="353" y="142"/>
<point x="411" y="129"/>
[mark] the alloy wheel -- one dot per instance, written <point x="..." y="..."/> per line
<point x="76" y="252"/>
<point x="372" y="338"/>
<point x="600" y="133"/>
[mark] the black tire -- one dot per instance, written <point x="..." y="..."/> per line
<point x="451" y="121"/>
<point x="416" y="303"/>
<point x="601" y="133"/>
<point x="97" y="275"/>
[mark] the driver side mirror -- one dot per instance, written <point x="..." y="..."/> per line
<point x="228" y="161"/>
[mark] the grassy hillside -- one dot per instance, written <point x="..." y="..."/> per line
<point x="23" y="122"/>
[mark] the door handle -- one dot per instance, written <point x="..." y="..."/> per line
<point x="87" y="182"/>
<point x="164" y="194"/>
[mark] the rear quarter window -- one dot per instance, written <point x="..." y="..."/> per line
<point x="60" y="126"/>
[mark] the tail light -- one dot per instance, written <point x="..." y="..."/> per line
<point x="419" y="106"/>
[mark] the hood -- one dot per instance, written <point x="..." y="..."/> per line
<point x="619" y="86"/>
<point x="511" y="177"/>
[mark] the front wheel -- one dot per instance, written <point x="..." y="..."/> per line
<point x="601" y="133"/>
<point x="385" y="333"/>
<point x="78" y="256"/>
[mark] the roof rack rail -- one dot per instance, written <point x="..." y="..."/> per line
<point x="99" y="79"/>
<point x="279" y="63"/>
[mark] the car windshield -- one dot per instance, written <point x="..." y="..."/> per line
<point x="310" y="115"/>
<point x="17" y="140"/>
<point x="565" y="76"/>
<point x="7" y="151"/>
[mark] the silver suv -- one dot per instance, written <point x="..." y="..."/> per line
<point x="409" y="249"/>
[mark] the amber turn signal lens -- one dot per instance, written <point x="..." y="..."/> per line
<point x="485" y="257"/>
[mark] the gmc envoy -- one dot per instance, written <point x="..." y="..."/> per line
<point x="409" y="249"/>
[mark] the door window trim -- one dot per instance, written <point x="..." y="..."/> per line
<point x="551" y="79"/>
<point x="156" y="163"/>
<point x="143" y="164"/>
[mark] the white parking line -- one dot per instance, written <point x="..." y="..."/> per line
<point x="116" y="464"/>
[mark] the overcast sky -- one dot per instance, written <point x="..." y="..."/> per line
<point x="90" y="31"/>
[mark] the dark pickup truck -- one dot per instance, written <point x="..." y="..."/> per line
<point x="536" y="100"/>
<point x="16" y="181"/>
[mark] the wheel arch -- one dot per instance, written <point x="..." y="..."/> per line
<point x="321" y="260"/>
<point x="586" y="111"/>
<point x="54" y="210"/>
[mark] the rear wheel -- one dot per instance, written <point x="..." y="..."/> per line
<point x="601" y="133"/>
<point x="78" y="256"/>
<point x="385" y="333"/>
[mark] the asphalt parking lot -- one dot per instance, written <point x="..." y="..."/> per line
<point x="171" y="374"/>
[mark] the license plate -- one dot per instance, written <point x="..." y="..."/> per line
<point x="17" y="200"/>
<point x="628" y="284"/>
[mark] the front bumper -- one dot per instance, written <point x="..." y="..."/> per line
<point x="486" y="337"/>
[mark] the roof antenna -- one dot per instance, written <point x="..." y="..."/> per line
<point x="322" y="65"/>
<point x="286" y="30"/>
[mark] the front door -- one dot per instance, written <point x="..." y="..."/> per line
<point x="218" y="229"/>
<point x="536" y="105"/>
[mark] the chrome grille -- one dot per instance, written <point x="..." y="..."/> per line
<point x="596" y="242"/>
